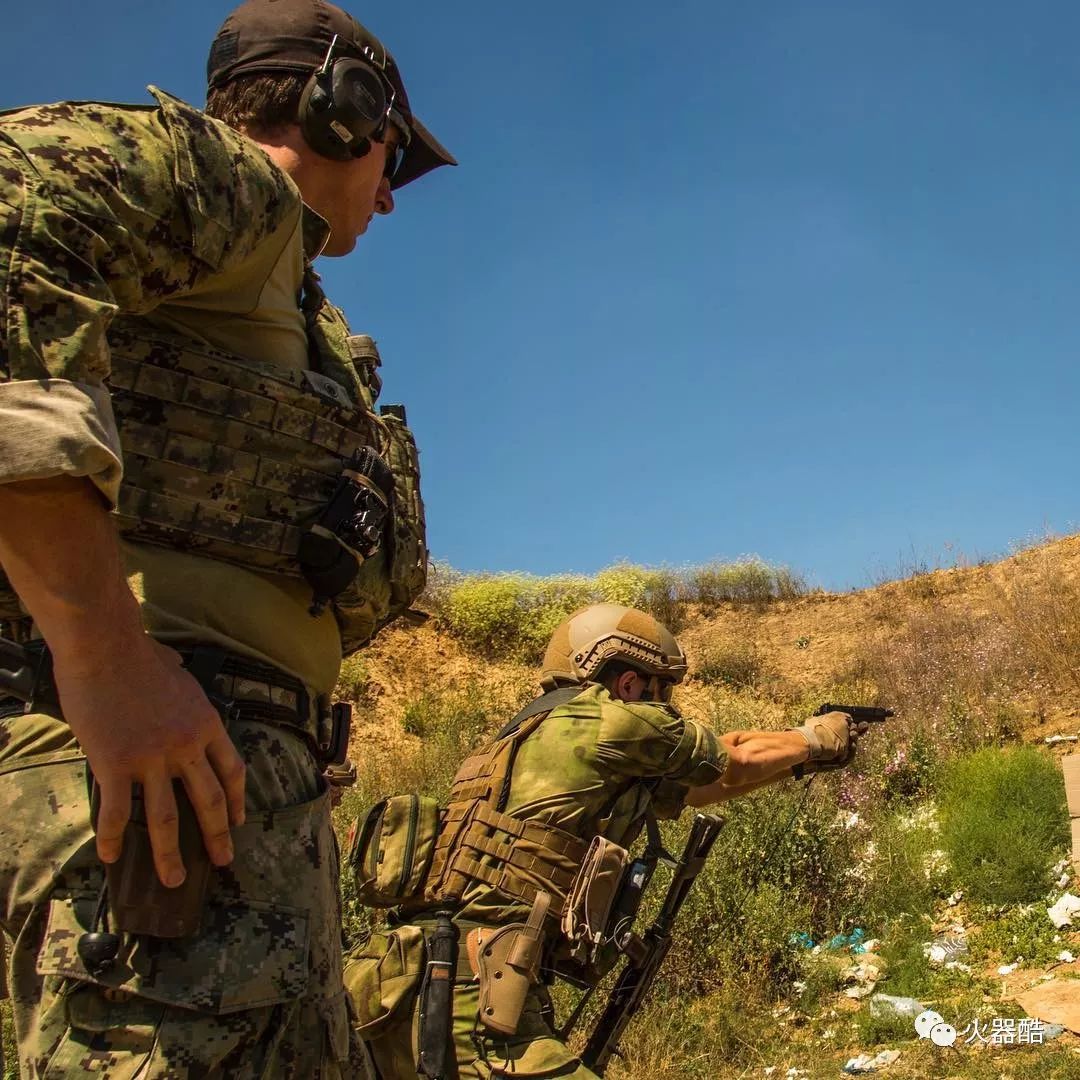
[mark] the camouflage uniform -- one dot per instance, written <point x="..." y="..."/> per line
<point x="594" y="766"/>
<point x="162" y="214"/>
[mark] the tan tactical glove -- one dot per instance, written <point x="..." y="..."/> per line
<point x="832" y="739"/>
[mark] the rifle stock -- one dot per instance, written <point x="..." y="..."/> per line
<point x="646" y="954"/>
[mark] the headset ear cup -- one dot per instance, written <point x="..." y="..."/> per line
<point x="341" y="109"/>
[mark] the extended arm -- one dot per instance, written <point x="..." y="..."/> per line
<point x="757" y="758"/>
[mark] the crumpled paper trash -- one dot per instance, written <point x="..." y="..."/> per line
<point x="1062" y="913"/>
<point x="863" y="976"/>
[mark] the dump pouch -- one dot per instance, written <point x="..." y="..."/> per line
<point x="391" y="847"/>
<point x="589" y="903"/>
<point x="382" y="977"/>
<point x="507" y="961"/>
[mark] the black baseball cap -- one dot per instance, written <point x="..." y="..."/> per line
<point x="265" y="36"/>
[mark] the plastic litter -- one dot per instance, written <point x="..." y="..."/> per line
<point x="853" y="941"/>
<point x="863" y="976"/>
<point x="1053" y="740"/>
<point x="887" y="1006"/>
<point x="1066" y="957"/>
<point x="802" y="939"/>
<point x="1062" y="913"/>
<point x="944" y="949"/>
<point x="1007" y="969"/>
<point x="864" y="1063"/>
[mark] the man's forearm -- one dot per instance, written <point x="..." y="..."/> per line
<point x="59" y="549"/>
<point x="754" y="759"/>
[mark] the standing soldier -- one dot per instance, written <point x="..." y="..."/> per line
<point x="200" y="511"/>
<point x="527" y="865"/>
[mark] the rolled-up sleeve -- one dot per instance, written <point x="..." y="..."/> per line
<point x="52" y="427"/>
<point x="90" y="226"/>
<point x="55" y="415"/>
<point x="654" y="742"/>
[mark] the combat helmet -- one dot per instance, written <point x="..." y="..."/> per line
<point x="593" y="635"/>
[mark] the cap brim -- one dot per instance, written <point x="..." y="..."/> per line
<point x="425" y="153"/>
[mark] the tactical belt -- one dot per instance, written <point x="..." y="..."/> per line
<point x="250" y="690"/>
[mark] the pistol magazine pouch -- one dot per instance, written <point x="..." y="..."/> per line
<point x="508" y="963"/>
<point x="391" y="847"/>
<point x="588" y="907"/>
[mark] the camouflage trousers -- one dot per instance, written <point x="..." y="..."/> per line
<point x="392" y="1010"/>
<point x="257" y="993"/>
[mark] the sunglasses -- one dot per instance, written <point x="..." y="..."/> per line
<point x="395" y="155"/>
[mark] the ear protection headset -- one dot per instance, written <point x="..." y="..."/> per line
<point x="345" y="104"/>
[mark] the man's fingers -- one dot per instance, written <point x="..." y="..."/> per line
<point x="114" y="809"/>
<point x="211" y="808"/>
<point x="163" y="822"/>
<point x="230" y="769"/>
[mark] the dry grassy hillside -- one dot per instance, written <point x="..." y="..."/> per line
<point x="951" y="822"/>
<point x="807" y="643"/>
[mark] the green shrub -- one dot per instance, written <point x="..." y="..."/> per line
<point x="747" y="580"/>
<point x="512" y="615"/>
<point x="905" y="872"/>
<point x="777" y="870"/>
<point x="1003" y="823"/>
<point x="1017" y="933"/>
<point x="908" y="970"/>
<point x="624" y="583"/>
<point x="736" y="663"/>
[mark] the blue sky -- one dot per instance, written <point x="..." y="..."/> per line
<point x="776" y="277"/>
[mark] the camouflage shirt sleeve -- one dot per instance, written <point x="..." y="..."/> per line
<point x="103" y="210"/>
<point x="655" y="742"/>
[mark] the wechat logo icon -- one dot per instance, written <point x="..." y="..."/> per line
<point x="931" y="1025"/>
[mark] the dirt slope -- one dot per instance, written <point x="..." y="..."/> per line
<point x="808" y="642"/>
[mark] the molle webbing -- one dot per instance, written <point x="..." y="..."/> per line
<point x="223" y="456"/>
<point x="519" y="858"/>
<point x="478" y="842"/>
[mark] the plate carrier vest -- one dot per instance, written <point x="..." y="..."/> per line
<point x="479" y="842"/>
<point x="232" y="459"/>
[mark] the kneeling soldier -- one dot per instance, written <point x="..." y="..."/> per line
<point x="528" y="863"/>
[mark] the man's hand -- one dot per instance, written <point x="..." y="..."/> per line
<point x="140" y="718"/>
<point x="160" y="726"/>
<point x="832" y="739"/>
